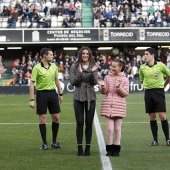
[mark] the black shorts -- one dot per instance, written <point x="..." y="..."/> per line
<point x="155" y="100"/>
<point x="47" y="99"/>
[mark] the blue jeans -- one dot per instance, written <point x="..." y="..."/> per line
<point x="159" y="23"/>
<point x="39" y="24"/>
<point x="134" y="13"/>
<point x="140" y="23"/>
<point x="11" y="25"/>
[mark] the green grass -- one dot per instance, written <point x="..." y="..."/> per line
<point x="19" y="143"/>
<point x="136" y="154"/>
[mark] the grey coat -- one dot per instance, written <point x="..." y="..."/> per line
<point x="84" y="83"/>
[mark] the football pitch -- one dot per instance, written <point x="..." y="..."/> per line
<point x="20" y="138"/>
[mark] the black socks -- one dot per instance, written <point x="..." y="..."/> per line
<point x="42" y="128"/>
<point x="154" y="129"/>
<point x="55" y="127"/>
<point x="165" y="128"/>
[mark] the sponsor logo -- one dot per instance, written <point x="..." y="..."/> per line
<point x="136" y="87"/>
<point x="157" y="34"/>
<point x="106" y="35"/>
<point x="133" y="87"/>
<point x="142" y="34"/>
<point x="121" y="34"/>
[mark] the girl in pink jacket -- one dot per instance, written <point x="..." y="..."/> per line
<point x="115" y="88"/>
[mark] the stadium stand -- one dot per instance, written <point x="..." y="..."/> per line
<point x="46" y="14"/>
<point x="142" y="13"/>
<point x="116" y="13"/>
<point x="20" y="71"/>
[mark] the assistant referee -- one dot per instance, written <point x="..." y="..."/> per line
<point x="45" y="75"/>
<point x="152" y="76"/>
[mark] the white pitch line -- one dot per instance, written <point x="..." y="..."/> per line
<point x="106" y="164"/>
<point x="10" y="123"/>
<point x="27" y="123"/>
<point x="24" y="104"/>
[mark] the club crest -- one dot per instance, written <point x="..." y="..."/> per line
<point x="156" y="76"/>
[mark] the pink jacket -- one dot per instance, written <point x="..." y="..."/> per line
<point x="114" y="103"/>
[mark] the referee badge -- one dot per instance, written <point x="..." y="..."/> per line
<point x="53" y="77"/>
<point x="156" y="76"/>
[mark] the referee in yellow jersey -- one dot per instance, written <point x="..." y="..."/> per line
<point x="152" y="76"/>
<point x="45" y="77"/>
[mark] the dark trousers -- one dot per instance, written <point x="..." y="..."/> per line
<point x="80" y="108"/>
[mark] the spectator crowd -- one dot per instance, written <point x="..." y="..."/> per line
<point x="105" y="13"/>
<point x="22" y="68"/>
<point x="121" y="13"/>
<point x="40" y="13"/>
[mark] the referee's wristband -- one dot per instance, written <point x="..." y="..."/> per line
<point x="31" y="100"/>
<point x="60" y="94"/>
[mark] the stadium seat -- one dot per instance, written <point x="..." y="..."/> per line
<point x="155" y="3"/>
<point x="4" y="24"/>
<point x="54" y="4"/>
<point x="165" y="24"/>
<point x="28" y="24"/>
<point x="7" y="1"/>
<point x="48" y="4"/>
<point x="60" y="18"/>
<point x="156" y="7"/>
<point x="144" y="8"/>
<point x="54" y="24"/>
<point x="53" y="18"/>
<point x="144" y="13"/>
<point x="6" y="4"/>
<point x="161" y="3"/>
<point x="18" y="25"/>
<point x="42" y="14"/>
<point x="133" y="18"/>
<point x="59" y="24"/>
<point x="151" y="17"/>
<point x="144" y="3"/>
<point x="149" y="3"/>
<point x="38" y="4"/>
<point x="35" y="25"/>
<point x="78" y="24"/>
<point x="24" y="25"/>
<point x="96" y="23"/>
<point x="108" y="24"/>
<point x="161" y="7"/>
<point x="5" y="19"/>
<point x="127" y="25"/>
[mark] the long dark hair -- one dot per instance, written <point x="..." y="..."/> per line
<point x="91" y="60"/>
<point x="121" y="63"/>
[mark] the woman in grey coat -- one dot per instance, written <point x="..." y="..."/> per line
<point x="83" y="75"/>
